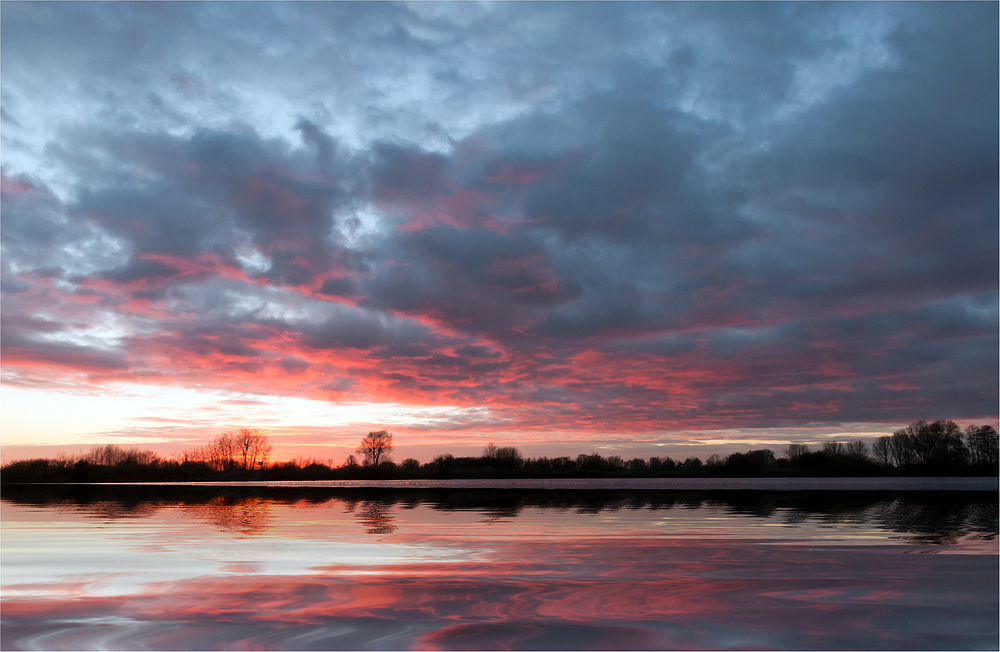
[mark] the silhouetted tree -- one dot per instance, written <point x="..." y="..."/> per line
<point x="882" y="450"/>
<point x="795" y="451"/>
<point x="659" y="465"/>
<point x="220" y="453"/>
<point x="982" y="442"/>
<point x="376" y="447"/>
<point x="749" y="463"/>
<point x="590" y="463"/>
<point x="857" y="449"/>
<point x="901" y="446"/>
<point x="921" y="448"/>
<point x="938" y="443"/>
<point x="113" y="454"/>
<point x="251" y="447"/>
<point x="107" y="454"/>
<point x="502" y="456"/>
<point x="833" y="448"/>
<point x="441" y="466"/>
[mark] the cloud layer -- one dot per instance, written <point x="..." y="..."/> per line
<point x="585" y="216"/>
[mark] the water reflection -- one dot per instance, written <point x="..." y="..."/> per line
<point x="577" y="595"/>
<point x="939" y="522"/>
<point x="939" y="518"/>
<point x="374" y="514"/>
<point x="246" y="516"/>
<point x="437" y="569"/>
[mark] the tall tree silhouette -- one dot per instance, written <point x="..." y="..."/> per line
<point x="252" y="447"/>
<point x="376" y="447"/>
<point x="982" y="443"/>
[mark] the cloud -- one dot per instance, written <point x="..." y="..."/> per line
<point x="634" y="217"/>
<point x="142" y="270"/>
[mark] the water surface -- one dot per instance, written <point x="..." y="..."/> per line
<point x="327" y="568"/>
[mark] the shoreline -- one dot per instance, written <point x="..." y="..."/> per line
<point x="972" y="483"/>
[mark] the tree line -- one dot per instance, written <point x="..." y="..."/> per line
<point x="238" y="454"/>
<point x="921" y="448"/>
<point x="941" y="443"/>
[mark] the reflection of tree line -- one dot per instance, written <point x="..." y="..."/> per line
<point x="926" y="517"/>
<point x="940" y="522"/>
<point x="248" y="516"/>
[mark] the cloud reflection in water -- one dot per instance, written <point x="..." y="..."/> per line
<point x="377" y="572"/>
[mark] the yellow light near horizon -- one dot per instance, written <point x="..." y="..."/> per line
<point x="143" y="414"/>
<point x="38" y="416"/>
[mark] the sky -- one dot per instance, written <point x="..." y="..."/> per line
<point x="651" y="228"/>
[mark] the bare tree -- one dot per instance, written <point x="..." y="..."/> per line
<point x="220" y="453"/>
<point x="857" y="449"/>
<point x="376" y="447"/>
<point x="982" y="442"/>
<point x="251" y="447"/>
<point x="920" y="442"/>
<point x="940" y="442"/>
<point x="833" y="448"/>
<point x="901" y="446"/>
<point x="261" y="450"/>
<point x="503" y="454"/>
<point x="510" y="456"/>
<point x="795" y="451"/>
<point x="882" y="450"/>
<point x="108" y="454"/>
<point x="112" y="454"/>
<point x="195" y="454"/>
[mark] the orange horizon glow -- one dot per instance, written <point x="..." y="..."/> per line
<point x="132" y="417"/>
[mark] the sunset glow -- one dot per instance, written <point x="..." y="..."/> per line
<point x="653" y="229"/>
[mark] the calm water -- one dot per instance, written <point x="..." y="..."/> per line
<point x="325" y="568"/>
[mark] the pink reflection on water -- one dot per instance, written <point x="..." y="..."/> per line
<point x="254" y="573"/>
<point x="625" y="593"/>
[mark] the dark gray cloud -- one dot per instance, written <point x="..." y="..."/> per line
<point x="659" y="214"/>
<point x="357" y="329"/>
<point x="137" y="270"/>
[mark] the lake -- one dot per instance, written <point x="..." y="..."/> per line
<point x="473" y="567"/>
